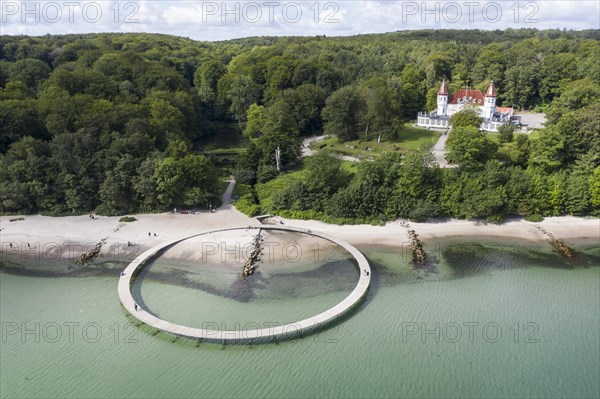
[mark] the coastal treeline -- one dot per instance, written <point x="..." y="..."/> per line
<point x="112" y="122"/>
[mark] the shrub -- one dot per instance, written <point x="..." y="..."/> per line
<point x="265" y="191"/>
<point x="423" y="210"/>
<point x="247" y="205"/>
<point x="323" y="217"/>
<point x="266" y="173"/>
<point x="506" y="134"/>
<point x="245" y="176"/>
<point x="241" y="189"/>
<point x="534" y="218"/>
<point x="127" y="219"/>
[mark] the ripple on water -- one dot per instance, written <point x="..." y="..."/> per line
<point x="365" y="356"/>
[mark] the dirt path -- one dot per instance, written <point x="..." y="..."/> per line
<point x="439" y="152"/>
<point x="227" y="194"/>
<point x="307" y="151"/>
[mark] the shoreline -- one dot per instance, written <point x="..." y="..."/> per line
<point x="69" y="236"/>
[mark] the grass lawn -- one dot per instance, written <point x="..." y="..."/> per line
<point x="409" y="139"/>
<point x="298" y="172"/>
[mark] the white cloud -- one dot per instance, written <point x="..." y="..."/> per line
<point x="218" y="20"/>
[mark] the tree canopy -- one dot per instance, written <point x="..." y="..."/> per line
<point x="113" y="122"/>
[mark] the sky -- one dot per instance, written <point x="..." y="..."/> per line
<point x="222" y="20"/>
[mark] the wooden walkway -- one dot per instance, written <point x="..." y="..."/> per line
<point x="270" y="334"/>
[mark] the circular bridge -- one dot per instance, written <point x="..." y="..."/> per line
<point x="290" y="330"/>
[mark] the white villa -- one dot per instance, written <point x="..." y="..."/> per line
<point x="493" y="116"/>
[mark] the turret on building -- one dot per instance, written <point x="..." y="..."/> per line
<point x="489" y="102"/>
<point x="442" y="99"/>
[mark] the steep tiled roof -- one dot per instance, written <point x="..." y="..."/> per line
<point x="491" y="90"/>
<point x="474" y="96"/>
<point x="505" y="110"/>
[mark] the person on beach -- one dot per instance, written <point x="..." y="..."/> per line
<point x="136" y="307"/>
<point x="149" y="235"/>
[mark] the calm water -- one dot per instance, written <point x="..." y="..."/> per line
<point x="205" y="294"/>
<point x="492" y="320"/>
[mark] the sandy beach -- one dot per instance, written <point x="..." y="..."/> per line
<point x="68" y="237"/>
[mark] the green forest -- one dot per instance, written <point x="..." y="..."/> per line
<point x="125" y="123"/>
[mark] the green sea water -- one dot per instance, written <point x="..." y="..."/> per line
<point x="489" y="319"/>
